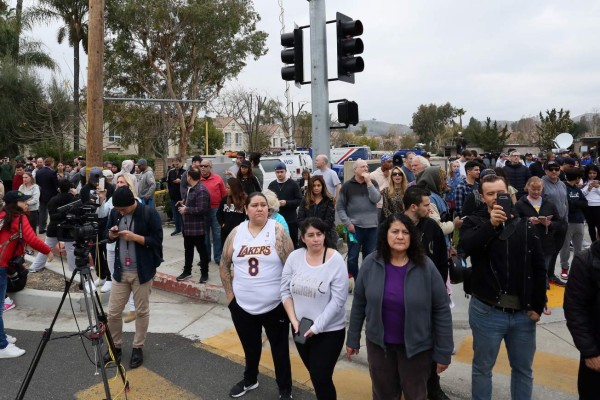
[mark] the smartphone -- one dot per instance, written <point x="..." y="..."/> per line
<point x="303" y="327"/>
<point x="101" y="184"/>
<point x="504" y="200"/>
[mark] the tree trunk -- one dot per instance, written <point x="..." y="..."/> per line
<point x="76" y="112"/>
<point x="18" y="14"/>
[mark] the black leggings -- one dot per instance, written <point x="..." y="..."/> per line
<point x="249" y="329"/>
<point x="592" y="216"/>
<point x="319" y="355"/>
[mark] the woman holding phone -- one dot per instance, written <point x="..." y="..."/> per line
<point x="314" y="289"/>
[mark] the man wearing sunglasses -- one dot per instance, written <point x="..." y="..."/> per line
<point x="557" y="193"/>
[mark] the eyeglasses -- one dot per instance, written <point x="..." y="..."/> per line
<point x="205" y="166"/>
<point x="397" y="174"/>
<point x="553" y="169"/>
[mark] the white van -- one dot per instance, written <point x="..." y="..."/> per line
<point x="296" y="162"/>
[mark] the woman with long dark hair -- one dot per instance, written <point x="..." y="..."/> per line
<point x="314" y="286"/>
<point x="591" y="191"/>
<point x="247" y="179"/>
<point x="404" y="300"/>
<point x="317" y="202"/>
<point x="257" y="250"/>
<point x="231" y="211"/>
<point x="15" y="224"/>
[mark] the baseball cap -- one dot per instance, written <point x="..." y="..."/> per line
<point x="551" y="164"/>
<point x="246" y="163"/>
<point x="503" y="155"/>
<point x="486" y="172"/>
<point x="280" y="166"/>
<point x="385" y="158"/>
<point x="569" y="161"/>
<point x="15" y="195"/>
<point x="95" y="174"/>
<point x="397" y="159"/>
<point x="123" y="197"/>
<point x="107" y="173"/>
<point x="142" y="161"/>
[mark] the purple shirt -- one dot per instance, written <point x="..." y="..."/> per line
<point x="392" y="309"/>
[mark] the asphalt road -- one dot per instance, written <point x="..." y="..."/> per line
<point x="174" y="368"/>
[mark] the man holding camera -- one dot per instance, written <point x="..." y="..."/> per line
<point x="508" y="289"/>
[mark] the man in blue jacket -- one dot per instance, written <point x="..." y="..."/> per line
<point x="138" y="234"/>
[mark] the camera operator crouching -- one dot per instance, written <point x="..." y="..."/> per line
<point x="15" y="234"/>
<point x="64" y="197"/>
<point x="137" y="231"/>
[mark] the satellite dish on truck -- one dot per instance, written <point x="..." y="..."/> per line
<point x="563" y="141"/>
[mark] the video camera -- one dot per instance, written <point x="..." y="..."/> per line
<point x="81" y="223"/>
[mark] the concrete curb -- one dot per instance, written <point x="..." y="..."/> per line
<point x="199" y="291"/>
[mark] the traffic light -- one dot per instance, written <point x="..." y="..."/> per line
<point x="292" y="55"/>
<point x="348" y="47"/>
<point x="348" y="113"/>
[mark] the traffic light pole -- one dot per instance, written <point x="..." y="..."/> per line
<point x="319" y="85"/>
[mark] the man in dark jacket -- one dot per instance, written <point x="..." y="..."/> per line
<point x="47" y="180"/>
<point x="289" y="195"/>
<point x="173" y="182"/>
<point x="582" y="311"/>
<point x="416" y="206"/>
<point x="508" y="291"/>
<point x="517" y="173"/>
<point x="195" y="211"/>
<point x="537" y="168"/>
<point x="137" y="231"/>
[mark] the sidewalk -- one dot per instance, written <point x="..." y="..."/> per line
<point x="197" y="312"/>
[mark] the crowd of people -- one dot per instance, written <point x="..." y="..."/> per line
<point x="277" y="250"/>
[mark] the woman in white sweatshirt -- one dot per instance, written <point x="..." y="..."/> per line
<point x="314" y="287"/>
<point x="591" y="191"/>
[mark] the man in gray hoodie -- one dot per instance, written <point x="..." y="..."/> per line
<point x="357" y="209"/>
<point x="146" y="183"/>
<point x="557" y="194"/>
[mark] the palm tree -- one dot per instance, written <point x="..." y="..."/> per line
<point x="73" y="13"/>
<point x="460" y="112"/>
<point x="20" y="50"/>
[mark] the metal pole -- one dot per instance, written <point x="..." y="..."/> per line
<point x="206" y="136"/>
<point x="319" y="85"/>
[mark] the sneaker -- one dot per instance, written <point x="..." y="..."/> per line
<point x="11" y="339"/>
<point x="176" y="233"/>
<point x="36" y="270"/>
<point x="106" y="287"/>
<point x="9" y="304"/>
<point x="557" y="281"/>
<point x="285" y="394"/>
<point x="11" y="351"/>
<point x="564" y="275"/>
<point x="204" y="278"/>
<point x="240" y="389"/>
<point x="99" y="282"/>
<point x="184" y="275"/>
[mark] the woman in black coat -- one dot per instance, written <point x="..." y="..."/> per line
<point x="247" y="179"/>
<point x="317" y="202"/>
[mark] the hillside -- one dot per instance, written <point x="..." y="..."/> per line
<point x="377" y="128"/>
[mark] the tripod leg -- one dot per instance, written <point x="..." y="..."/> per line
<point x="109" y="341"/>
<point x="45" y="338"/>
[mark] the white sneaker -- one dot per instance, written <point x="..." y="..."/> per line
<point x="11" y="339"/>
<point x="99" y="282"/>
<point x="106" y="287"/>
<point x="11" y="351"/>
<point x="86" y="286"/>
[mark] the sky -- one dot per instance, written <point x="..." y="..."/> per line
<point x="503" y="59"/>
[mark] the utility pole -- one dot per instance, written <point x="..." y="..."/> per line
<point x="95" y="106"/>
<point x="319" y="83"/>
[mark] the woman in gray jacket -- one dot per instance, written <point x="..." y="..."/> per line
<point x="401" y="294"/>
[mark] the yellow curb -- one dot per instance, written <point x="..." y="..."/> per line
<point x="549" y="370"/>
<point x="144" y="385"/>
<point x="556" y="296"/>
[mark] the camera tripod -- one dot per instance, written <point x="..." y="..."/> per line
<point x="98" y="323"/>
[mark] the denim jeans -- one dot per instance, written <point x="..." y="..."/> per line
<point x="3" y="278"/>
<point x="176" y="216"/>
<point x="490" y="326"/>
<point x="43" y="216"/>
<point x="216" y="236"/>
<point x="366" y="238"/>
